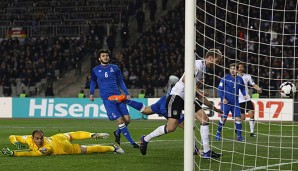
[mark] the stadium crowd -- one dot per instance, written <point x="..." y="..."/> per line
<point x="266" y="45"/>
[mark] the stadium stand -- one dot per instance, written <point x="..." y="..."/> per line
<point x="59" y="34"/>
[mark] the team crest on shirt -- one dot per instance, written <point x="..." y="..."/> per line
<point x="175" y="112"/>
<point x="111" y="69"/>
<point x="43" y="150"/>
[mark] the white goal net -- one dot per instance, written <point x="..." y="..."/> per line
<point x="261" y="34"/>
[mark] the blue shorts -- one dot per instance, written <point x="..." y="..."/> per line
<point x="160" y="108"/>
<point x="226" y="108"/>
<point x="115" y="110"/>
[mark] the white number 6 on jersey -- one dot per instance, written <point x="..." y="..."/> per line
<point x="106" y="74"/>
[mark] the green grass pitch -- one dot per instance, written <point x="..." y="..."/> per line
<point x="278" y="140"/>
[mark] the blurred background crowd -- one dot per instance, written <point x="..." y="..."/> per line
<point x="59" y="39"/>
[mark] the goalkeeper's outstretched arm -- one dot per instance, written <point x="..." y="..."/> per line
<point x="18" y="141"/>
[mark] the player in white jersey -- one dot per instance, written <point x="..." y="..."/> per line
<point x="175" y="105"/>
<point x="246" y="104"/>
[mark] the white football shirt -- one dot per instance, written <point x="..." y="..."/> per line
<point x="247" y="80"/>
<point x="178" y="89"/>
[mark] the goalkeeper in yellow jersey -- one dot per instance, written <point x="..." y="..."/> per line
<point x="57" y="144"/>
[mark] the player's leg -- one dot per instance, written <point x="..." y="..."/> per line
<point x="159" y="131"/>
<point x="238" y="122"/>
<point x="242" y="110"/>
<point x="226" y="109"/>
<point x="100" y="149"/>
<point x="251" y="113"/>
<point x="124" y="122"/>
<point x="204" y="129"/>
<point x="132" y="103"/>
<point x="81" y="135"/>
<point x="202" y="117"/>
<point x="113" y="113"/>
<point x="175" y="105"/>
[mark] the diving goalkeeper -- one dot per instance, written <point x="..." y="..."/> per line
<point x="57" y="144"/>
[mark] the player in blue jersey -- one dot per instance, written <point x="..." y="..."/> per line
<point x="109" y="78"/>
<point x="228" y="91"/>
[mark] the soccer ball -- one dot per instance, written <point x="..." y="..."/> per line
<point x="287" y="89"/>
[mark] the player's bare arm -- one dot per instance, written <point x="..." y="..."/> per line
<point x="256" y="87"/>
<point x="206" y="102"/>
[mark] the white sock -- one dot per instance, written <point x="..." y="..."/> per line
<point x="143" y="108"/>
<point x="204" y="130"/>
<point x="252" y="125"/>
<point x="156" y="133"/>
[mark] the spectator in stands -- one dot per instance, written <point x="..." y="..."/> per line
<point x="49" y="91"/>
<point x="7" y="91"/>
<point x="153" y="8"/>
<point x="124" y="35"/>
<point x="111" y="42"/>
<point x="140" y="16"/>
<point x="149" y="91"/>
<point x="23" y="94"/>
<point x="142" y="94"/>
<point x="88" y="80"/>
<point x="81" y="94"/>
<point x="164" y="4"/>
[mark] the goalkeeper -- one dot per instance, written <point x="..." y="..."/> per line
<point x="57" y="144"/>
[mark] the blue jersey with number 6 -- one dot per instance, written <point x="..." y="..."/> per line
<point x="108" y="78"/>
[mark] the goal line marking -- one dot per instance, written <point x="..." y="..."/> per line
<point x="272" y="165"/>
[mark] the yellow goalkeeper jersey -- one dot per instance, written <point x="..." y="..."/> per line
<point x="54" y="145"/>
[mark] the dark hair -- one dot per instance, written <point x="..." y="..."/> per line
<point x="37" y="130"/>
<point x="100" y="51"/>
<point x="240" y="63"/>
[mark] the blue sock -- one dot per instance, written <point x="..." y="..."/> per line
<point x="238" y="128"/>
<point x="196" y="149"/>
<point x="125" y="132"/>
<point x="134" y="104"/>
<point x="220" y="125"/>
<point x="118" y="131"/>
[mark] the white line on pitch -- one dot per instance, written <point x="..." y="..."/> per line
<point x="265" y="167"/>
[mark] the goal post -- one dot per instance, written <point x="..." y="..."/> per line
<point x="189" y="55"/>
<point x="262" y="35"/>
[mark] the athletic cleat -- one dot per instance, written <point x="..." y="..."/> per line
<point x="253" y="135"/>
<point x="197" y="153"/>
<point x="215" y="155"/>
<point x="217" y="137"/>
<point x="118" y="149"/>
<point x="135" y="145"/>
<point x="143" y="145"/>
<point x="117" y="98"/>
<point x="211" y="154"/>
<point x="100" y="136"/>
<point x="7" y="151"/>
<point x="239" y="138"/>
<point x="117" y="137"/>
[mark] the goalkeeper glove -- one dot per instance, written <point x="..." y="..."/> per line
<point x="7" y="151"/>
<point x="18" y="145"/>
<point x="100" y="135"/>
